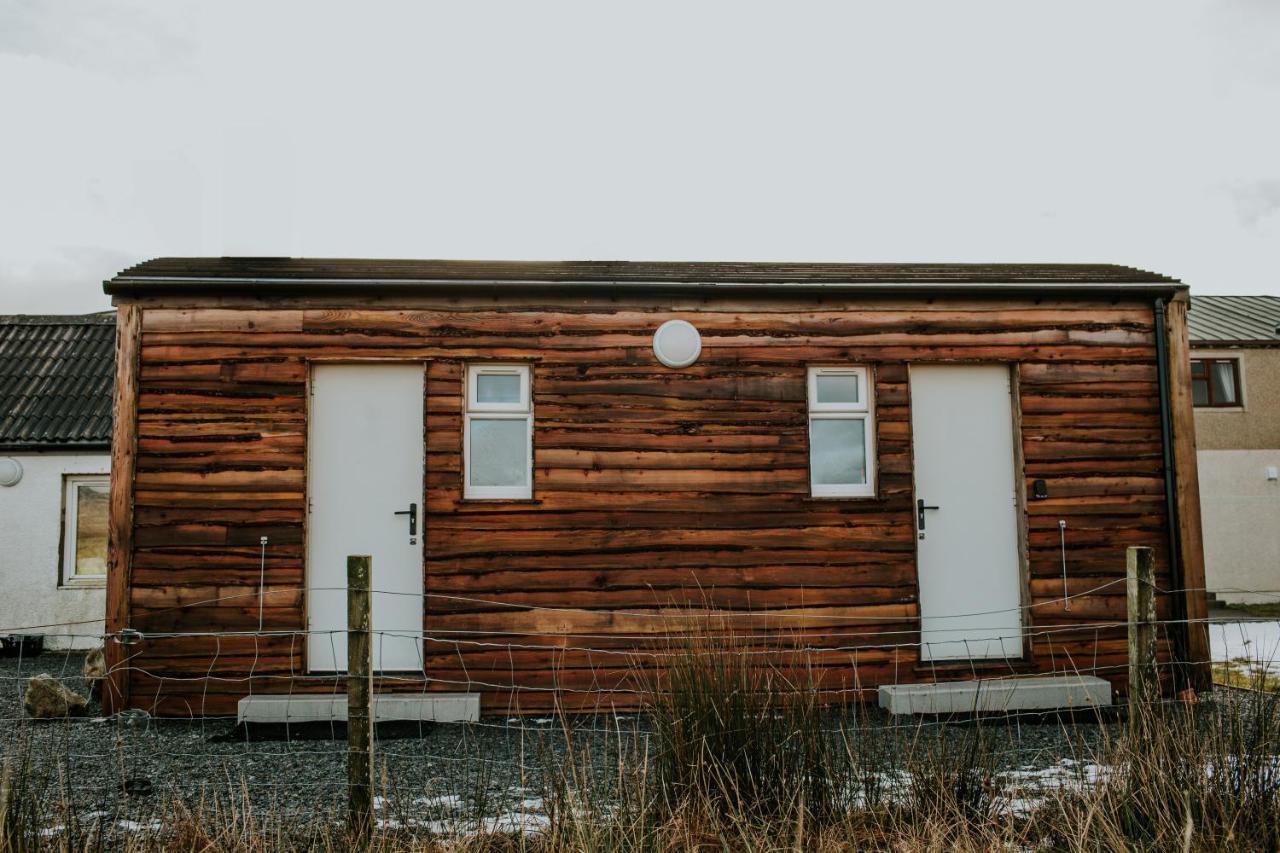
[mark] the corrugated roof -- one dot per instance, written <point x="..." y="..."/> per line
<point x="294" y="274"/>
<point x="1235" y="319"/>
<point x="56" y="374"/>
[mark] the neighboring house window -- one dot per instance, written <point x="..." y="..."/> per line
<point x="841" y="433"/>
<point x="497" y="435"/>
<point x="84" y="529"/>
<point x="1215" y="382"/>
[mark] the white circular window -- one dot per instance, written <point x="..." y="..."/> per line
<point x="10" y="471"/>
<point x="677" y="343"/>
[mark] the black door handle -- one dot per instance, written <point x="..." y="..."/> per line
<point x="920" y="508"/>
<point x="412" y="512"/>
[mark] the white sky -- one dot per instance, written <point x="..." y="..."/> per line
<point x="1137" y="133"/>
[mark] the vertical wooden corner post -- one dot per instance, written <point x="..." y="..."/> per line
<point x="359" y="698"/>
<point x="124" y="450"/>
<point x="1144" y="681"/>
<point x="1197" y="665"/>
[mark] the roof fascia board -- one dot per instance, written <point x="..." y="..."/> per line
<point x="99" y="447"/>
<point x="146" y="286"/>
<point x="1205" y="343"/>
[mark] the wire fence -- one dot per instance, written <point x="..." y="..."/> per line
<point x="178" y="735"/>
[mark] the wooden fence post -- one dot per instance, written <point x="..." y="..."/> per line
<point x="1144" y="682"/>
<point x="359" y="699"/>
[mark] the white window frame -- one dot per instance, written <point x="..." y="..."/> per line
<point x="859" y="411"/>
<point x="70" y="520"/>
<point x="518" y="411"/>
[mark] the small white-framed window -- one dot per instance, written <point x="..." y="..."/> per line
<point x="85" y="502"/>
<point x="497" y="433"/>
<point x="841" y="433"/>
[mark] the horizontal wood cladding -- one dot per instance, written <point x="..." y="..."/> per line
<point x="665" y="500"/>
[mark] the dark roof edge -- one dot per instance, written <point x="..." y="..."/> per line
<point x="52" y="446"/>
<point x="95" y="318"/>
<point x="1246" y="343"/>
<point x="156" y="286"/>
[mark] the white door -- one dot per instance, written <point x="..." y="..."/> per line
<point x="967" y="512"/>
<point x="364" y="473"/>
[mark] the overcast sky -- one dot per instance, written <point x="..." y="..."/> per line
<point x="1135" y="133"/>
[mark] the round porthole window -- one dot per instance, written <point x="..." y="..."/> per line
<point x="10" y="471"/>
<point x="677" y="343"/>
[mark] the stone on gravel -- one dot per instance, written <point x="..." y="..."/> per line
<point x="47" y="699"/>
<point x="95" y="671"/>
<point x="95" y="664"/>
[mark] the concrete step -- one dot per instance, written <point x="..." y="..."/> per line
<point x="390" y="707"/>
<point x="996" y="695"/>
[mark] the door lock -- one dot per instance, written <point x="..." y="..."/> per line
<point x="412" y="512"/>
<point x="920" y="508"/>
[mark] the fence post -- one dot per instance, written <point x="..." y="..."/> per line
<point x="359" y="699"/>
<point x="1144" y="681"/>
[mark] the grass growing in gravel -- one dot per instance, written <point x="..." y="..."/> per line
<point x="735" y="732"/>
<point x="1263" y="610"/>
<point x="738" y="754"/>
<point x="1244" y="673"/>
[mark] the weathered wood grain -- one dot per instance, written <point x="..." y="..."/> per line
<point x="1187" y="496"/>
<point x="664" y="500"/>
<point x="120" y="530"/>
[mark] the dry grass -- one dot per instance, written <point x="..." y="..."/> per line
<point x="743" y="759"/>
<point x="1246" y="674"/>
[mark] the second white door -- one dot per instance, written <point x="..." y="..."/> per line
<point x="966" y="512"/>
<point x="364" y="483"/>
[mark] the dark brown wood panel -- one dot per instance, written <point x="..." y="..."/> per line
<point x="664" y="500"/>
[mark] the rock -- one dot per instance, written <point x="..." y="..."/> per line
<point x="95" y="671"/>
<point x="47" y="699"/>
<point x="95" y="664"/>
<point x="133" y="717"/>
<point x="137" y="786"/>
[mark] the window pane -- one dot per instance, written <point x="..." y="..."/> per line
<point x="1224" y="383"/>
<point x="497" y="388"/>
<point x="499" y="448"/>
<point x="838" y="451"/>
<point x="836" y="388"/>
<point x="1197" y="369"/>
<point x="91" y="529"/>
<point x="1200" y="392"/>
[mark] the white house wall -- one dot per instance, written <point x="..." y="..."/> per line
<point x="1241" y="511"/>
<point x="30" y="534"/>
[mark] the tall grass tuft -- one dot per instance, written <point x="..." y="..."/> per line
<point x="739" y="732"/>
<point x="1184" y="777"/>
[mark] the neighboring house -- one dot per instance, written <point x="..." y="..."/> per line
<point x="56" y="378"/>
<point x="1235" y="369"/>
<point x="904" y="466"/>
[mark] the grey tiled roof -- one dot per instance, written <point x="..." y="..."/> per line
<point x="56" y="374"/>
<point x="1235" y="319"/>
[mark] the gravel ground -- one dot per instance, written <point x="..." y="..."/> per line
<point x="135" y="769"/>
<point x="122" y="771"/>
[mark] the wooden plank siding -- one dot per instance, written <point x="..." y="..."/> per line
<point x="663" y="498"/>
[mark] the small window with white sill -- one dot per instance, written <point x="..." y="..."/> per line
<point x="841" y="433"/>
<point x="498" y="433"/>
<point x="86" y="499"/>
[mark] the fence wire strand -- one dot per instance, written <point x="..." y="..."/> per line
<point x="181" y="732"/>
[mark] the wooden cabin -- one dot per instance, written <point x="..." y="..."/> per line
<point x="917" y="471"/>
